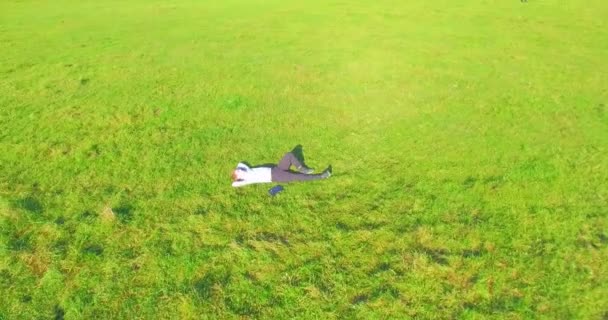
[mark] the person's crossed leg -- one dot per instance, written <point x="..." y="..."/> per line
<point x="289" y="159"/>
<point x="281" y="172"/>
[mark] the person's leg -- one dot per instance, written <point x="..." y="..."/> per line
<point x="288" y="160"/>
<point x="279" y="175"/>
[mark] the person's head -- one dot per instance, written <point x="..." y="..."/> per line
<point x="236" y="175"/>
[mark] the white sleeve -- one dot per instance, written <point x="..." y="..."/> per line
<point x="240" y="183"/>
<point x="243" y="166"/>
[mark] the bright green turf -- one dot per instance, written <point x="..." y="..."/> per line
<point x="469" y="141"/>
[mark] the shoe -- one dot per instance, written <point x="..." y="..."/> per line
<point x="306" y="170"/>
<point x="327" y="173"/>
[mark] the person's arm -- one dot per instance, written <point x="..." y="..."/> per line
<point x="240" y="183"/>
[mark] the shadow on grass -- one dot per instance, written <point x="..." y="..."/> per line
<point x="124" y="212"/>
<point x="243" y="238"/>
<point x="59" y="313"/>
<point x="87" y="216"/>
<point x="30" y="204"/>
<point x="19" y="243"/>
<point x="61" y="247"/>
<point x="204" y="286"/>
<point x="374" y="294"/>
<point x="93" y="249"/>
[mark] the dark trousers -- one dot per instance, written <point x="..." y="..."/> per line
<point x="281" y="172"/>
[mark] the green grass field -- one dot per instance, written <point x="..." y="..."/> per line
<point x="469" y="141"/>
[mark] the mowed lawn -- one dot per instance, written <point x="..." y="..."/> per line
<point x="469" y="141"/>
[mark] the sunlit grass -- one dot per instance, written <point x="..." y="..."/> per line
<point x="468" y="140"/>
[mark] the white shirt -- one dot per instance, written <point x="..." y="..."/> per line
<point x="252" y="175"/>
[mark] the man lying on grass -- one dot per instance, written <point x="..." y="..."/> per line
<point x="244" y="175"/>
